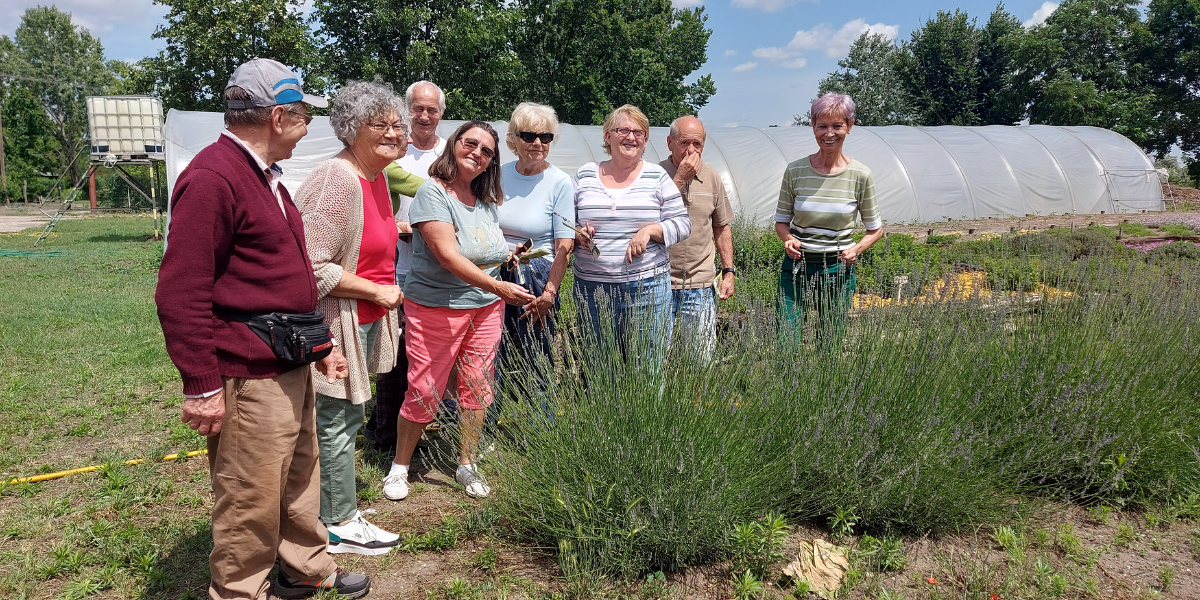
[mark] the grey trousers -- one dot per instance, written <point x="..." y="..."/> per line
<point x="338" y="422"/>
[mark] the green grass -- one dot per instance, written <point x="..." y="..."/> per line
<point x="85" y="379"/>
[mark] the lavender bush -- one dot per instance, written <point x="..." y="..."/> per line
<point x="928" y="418"/>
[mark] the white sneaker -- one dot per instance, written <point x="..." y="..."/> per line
<point x="360" y="537"/>
<point x="468" y="476"/>
<point x="395" y="487"/>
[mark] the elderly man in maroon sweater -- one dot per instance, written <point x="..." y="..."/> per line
<point x="236" y="247"/>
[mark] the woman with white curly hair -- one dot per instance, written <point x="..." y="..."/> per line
<point x="351" y="236"/>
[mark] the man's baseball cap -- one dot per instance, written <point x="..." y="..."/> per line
<point x="269" y="83"/>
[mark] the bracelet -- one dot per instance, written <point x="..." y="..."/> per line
<point x="552" y="292"/>
<point x="729" y="270"/>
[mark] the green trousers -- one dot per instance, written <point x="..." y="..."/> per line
<point x="817" y="281"/>
<point x="338" y="422"/>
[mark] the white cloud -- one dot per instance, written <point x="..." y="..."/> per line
<point x="686" y="3"/>
<point x="771" y="53"/>
<point x="730" y="125"/>
<point x="1040" y="15"/>
<point x="731" y="52"/>
<point x="835" y="44"/>
<point x="748" y="66"/>
<point x="763" y="5"/>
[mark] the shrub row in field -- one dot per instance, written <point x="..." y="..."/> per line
<point x="929" y="418"/>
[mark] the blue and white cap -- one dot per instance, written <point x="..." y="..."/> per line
<point x="269" y="83"/>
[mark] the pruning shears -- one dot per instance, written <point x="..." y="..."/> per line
<point x="591" y="245"/>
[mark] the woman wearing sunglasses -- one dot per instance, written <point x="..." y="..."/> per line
<point x="453" y="299"/>
<point x="351" y="239"/>
<point x="632" y="211"/>
<point x="535" y="192"/>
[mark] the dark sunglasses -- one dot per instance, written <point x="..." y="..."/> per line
<point x="528" y="136"/>
<point x="471" y="144"/>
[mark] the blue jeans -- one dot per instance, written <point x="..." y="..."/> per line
<point x="694" y="312"/>
<point x="635" y="315"/>
<point x="524" y="359"/>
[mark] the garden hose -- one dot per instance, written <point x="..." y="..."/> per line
<point x="136" y="461"/>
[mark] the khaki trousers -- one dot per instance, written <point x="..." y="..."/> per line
<point x="266" y="485"/>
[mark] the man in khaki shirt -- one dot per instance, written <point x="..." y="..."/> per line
<point x="693" y="273"/>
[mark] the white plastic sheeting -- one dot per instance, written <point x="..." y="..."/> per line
<point x="922" y="174"/>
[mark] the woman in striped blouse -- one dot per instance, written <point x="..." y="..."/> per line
<point x="822" y="197"/>
<point x="631" y="211"/>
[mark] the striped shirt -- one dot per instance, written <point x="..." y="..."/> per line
<point x="653" y="198"/>
<point x="821" y="210"/>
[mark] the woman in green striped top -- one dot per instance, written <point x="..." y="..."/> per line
<point x="822" y="197"/>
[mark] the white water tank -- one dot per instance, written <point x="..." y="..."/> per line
<point x="126" y="127"/>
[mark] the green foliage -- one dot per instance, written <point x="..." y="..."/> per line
<point x="31" y="150"/>
<point x="207" y="39"/>
<point x="1000" y="100"/>
<point x="1166" y="577"/>
<point x="759" y="544"/>
<point x="1086" y="65"/>
<point x="1175" y="60"/>
<point x="870" y="74"/>
<point x="443" y="537"/>
<point x="1177" y="174"/>
<point x="583" y="58"/>
<point x="1175" y="250"/>
<point x="59" y="65"/>
<point x="757" y="256"/>
<point x="932" y="418"/>
<point x="747" y="587"/>
<point x="586" y="58"/>
<point x="463" y="45"/>
<point x="882" y="555"/>
<point x="940" y="70"/>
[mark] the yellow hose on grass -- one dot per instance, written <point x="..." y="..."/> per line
<point x="136" y="461"/>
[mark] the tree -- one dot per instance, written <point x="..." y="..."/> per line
<point x="208" y="39"/>
<point x="940" y="70"/>
<point x="871" y="77"/>
<point x="999" y="97"/>
<point x="31" y="150"/>
<point x="462" y="45"/>
<point x="1087" y="65"/>
<point x="1175" y="67"/>
<point x="586" y="57"/>
<point x="59" y="65"/>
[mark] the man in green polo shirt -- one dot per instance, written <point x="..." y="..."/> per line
<point x="693" y="273"/>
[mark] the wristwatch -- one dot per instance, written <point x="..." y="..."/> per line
<point x="729" y="270"/>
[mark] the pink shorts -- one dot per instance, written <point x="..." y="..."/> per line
<point x="440" y="338"/>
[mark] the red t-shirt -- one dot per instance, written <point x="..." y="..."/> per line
<point x="377" y="253"/>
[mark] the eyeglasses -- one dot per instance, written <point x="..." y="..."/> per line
<point x="638" y="134"/>
<point x="303" y="115"/>
<point x="471" y="144"/>
<point x="384" y="128"/>
<point x="528" y="136"/>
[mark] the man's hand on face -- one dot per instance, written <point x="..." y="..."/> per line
<point x="688" y="167"/>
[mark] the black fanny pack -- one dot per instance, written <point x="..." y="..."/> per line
<point x="296" y="338"/>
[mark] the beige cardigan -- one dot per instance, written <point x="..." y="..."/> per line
<point x="331" y="201"/>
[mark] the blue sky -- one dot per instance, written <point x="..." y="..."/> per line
<point x="766" y="56"/>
